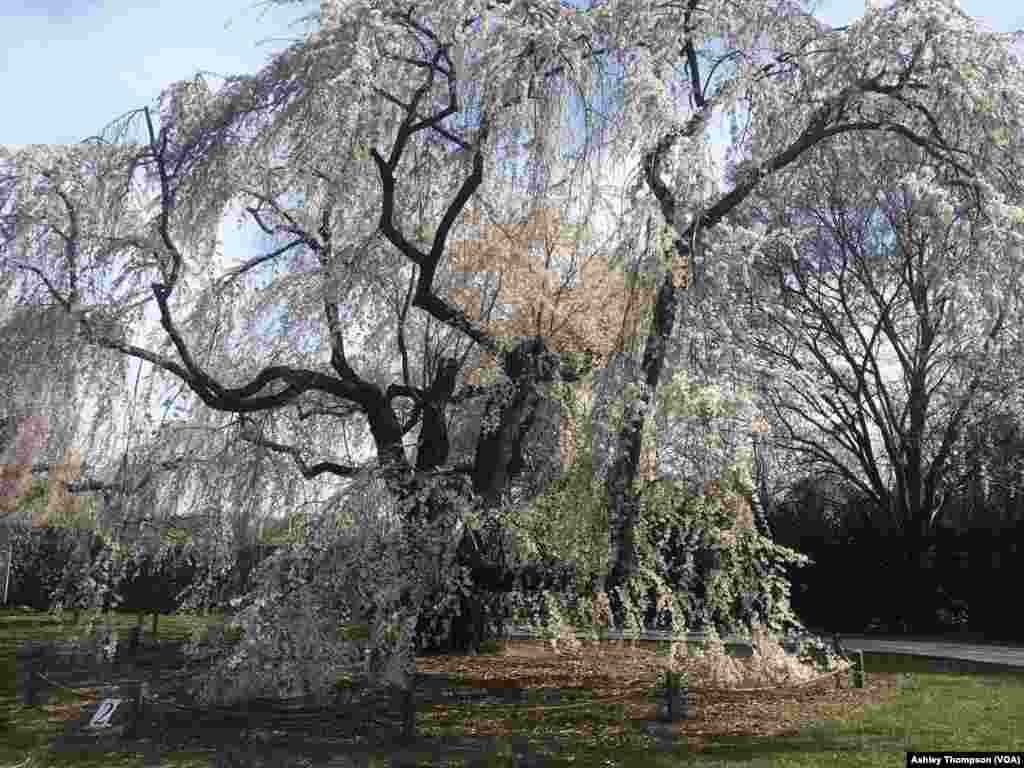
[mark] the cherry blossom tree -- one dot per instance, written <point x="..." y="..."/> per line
<point x="362" y="146"/>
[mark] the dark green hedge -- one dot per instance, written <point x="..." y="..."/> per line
<point x="40" y="556"/>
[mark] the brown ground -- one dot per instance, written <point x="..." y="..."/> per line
<point x="622" y="672"/>
<point x="611" y="671"/>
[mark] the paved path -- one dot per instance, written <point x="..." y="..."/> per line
<point x="1005" y="655"/>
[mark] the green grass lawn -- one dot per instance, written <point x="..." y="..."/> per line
<point x="935" y="709"/>
<point x="25" y="733"/>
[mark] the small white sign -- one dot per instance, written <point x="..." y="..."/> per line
<point x="102" y="717"/>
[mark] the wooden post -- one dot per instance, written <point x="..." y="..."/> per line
<point x="151" y="755"/>
<point x="858" y="669"/>
<point x="134" y="639"/>
<point x="674" y="706"/>
<point x="104" y="634"/>
<point x="837" y="646"/>
<point x="31" y="662"/>
<point x="139" y="695"/>
<point x="80" y="652"/>
<point x="405" y="701"/>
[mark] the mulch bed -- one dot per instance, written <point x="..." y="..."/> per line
<point x="628" y="676"/>
<point x="531" y="678"/>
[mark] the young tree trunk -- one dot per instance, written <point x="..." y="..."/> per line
<point x="623" y="504"/>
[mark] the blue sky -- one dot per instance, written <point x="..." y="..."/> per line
<point x="71" y="66"/>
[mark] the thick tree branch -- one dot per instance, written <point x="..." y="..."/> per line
<point x="424" y="297"/>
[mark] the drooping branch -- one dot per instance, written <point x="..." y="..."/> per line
<point x="250" y="434"/>
<point x="829" y="120"/>
<point x="91" y="484"/>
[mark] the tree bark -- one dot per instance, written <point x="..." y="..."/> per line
<point x="514" y="406"/>
<point x="623" y="504"/>
<point x="520" y="413"/>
